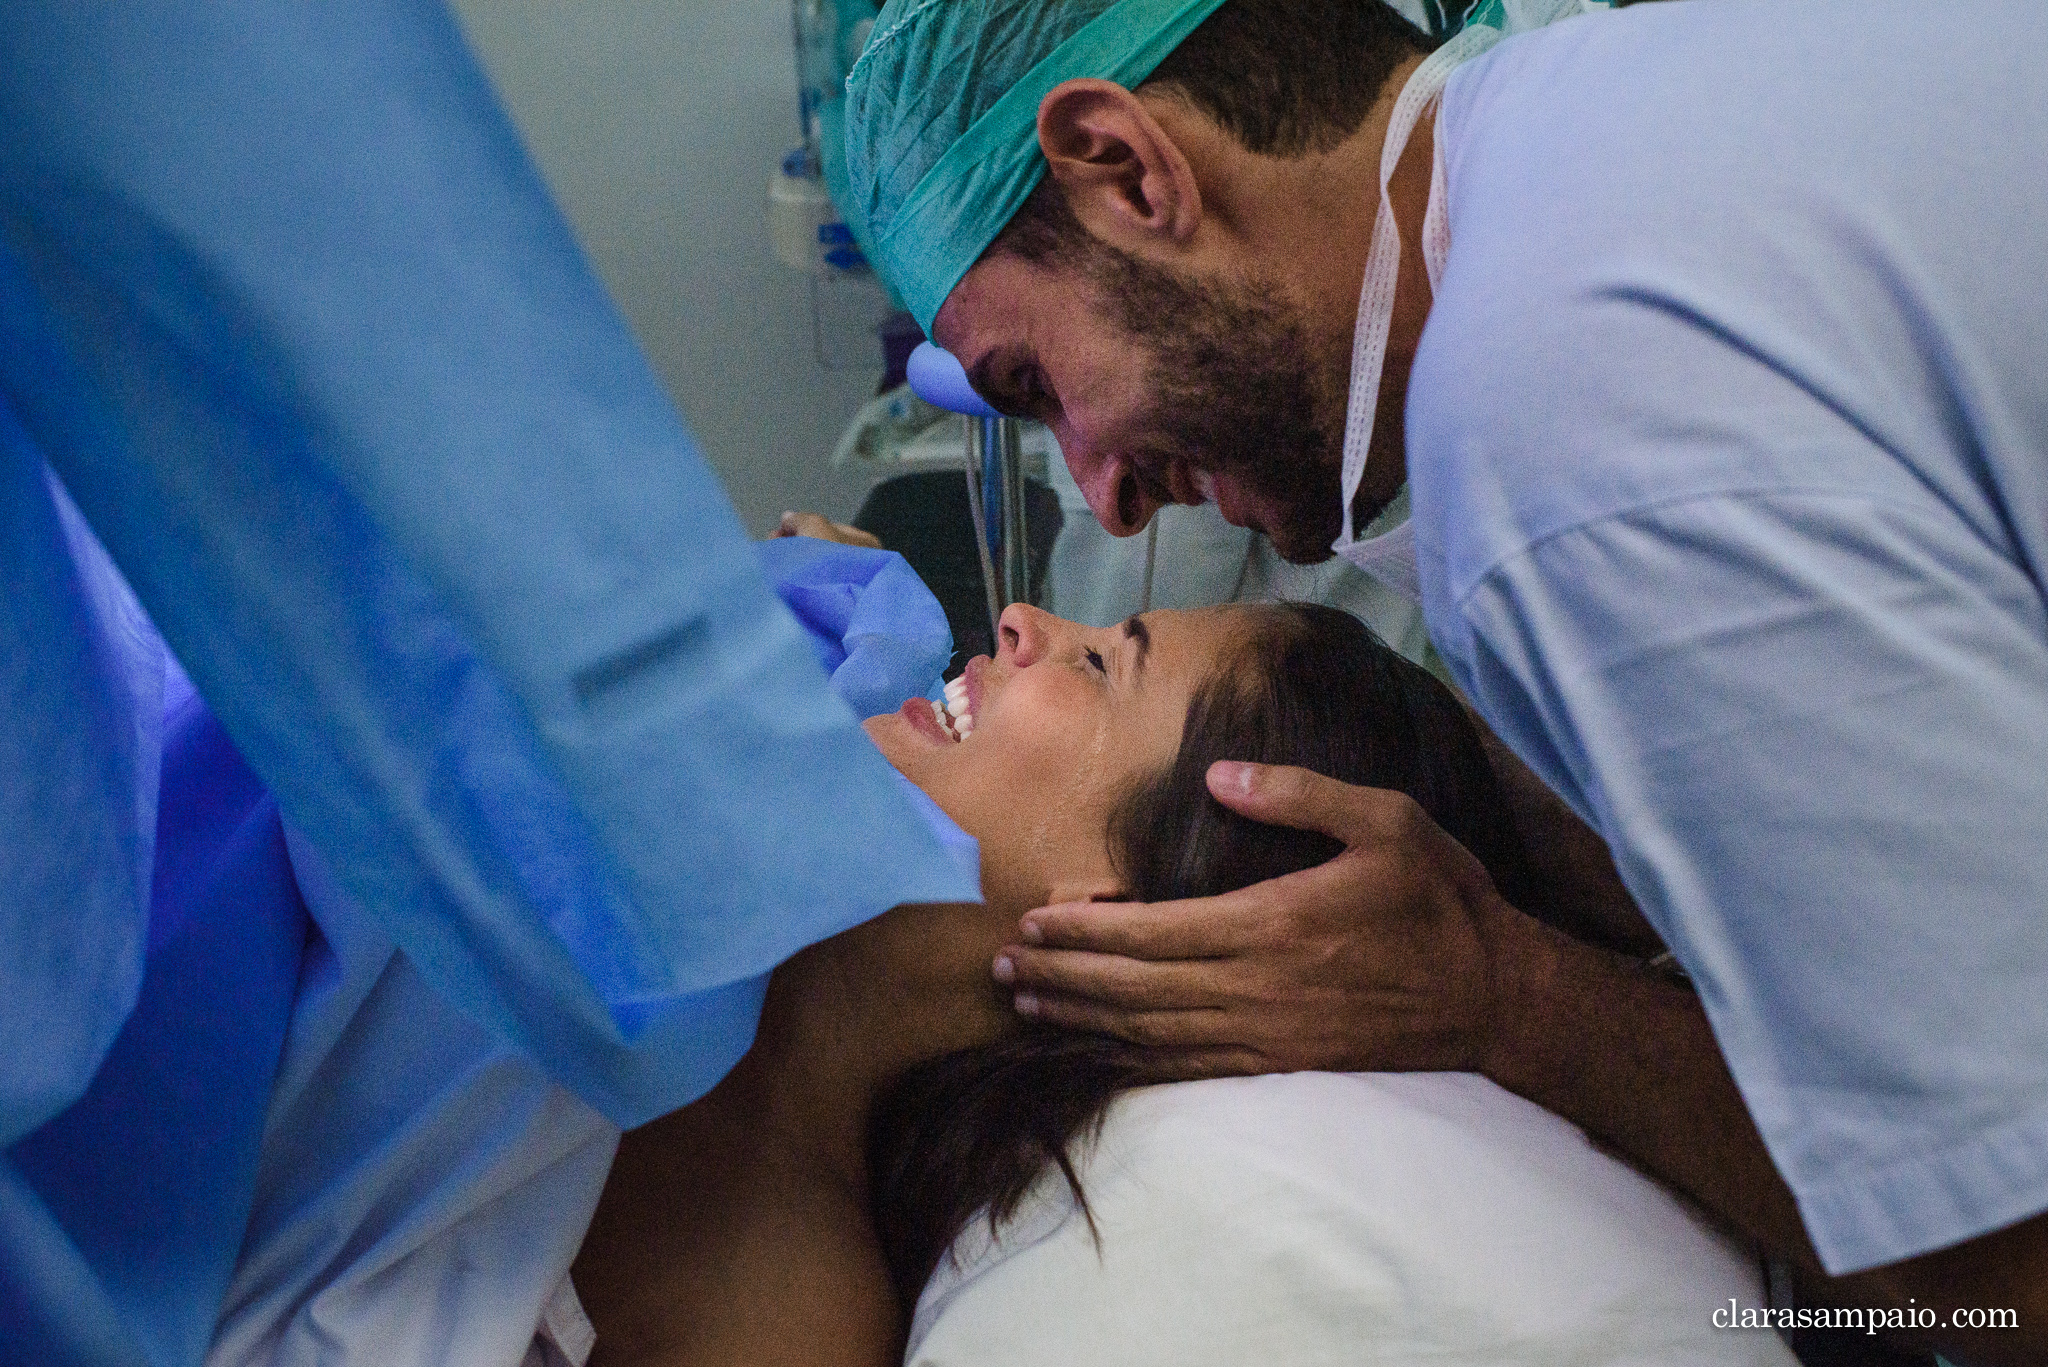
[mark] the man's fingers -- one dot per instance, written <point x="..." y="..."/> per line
<point x="1283" y="795"/>
<point x="1201" y="929"/>
<point x="1259" y="919"/>
<point x="1110" y="979"/>
<point x="1184" y="1032"/>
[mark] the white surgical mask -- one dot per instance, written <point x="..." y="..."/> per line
<point x="1390" y="556"/>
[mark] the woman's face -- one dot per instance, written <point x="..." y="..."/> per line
<point x="1059" y="725"/>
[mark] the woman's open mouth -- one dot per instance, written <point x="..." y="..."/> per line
<point x="956" y="714"/>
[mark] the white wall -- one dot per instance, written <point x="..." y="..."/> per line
<point x="656" y="122"/>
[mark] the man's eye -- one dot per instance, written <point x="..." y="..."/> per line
<point x="1033" y="398"/>
<point x="1095" y="658"/>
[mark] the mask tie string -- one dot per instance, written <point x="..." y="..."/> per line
<point x="1383" y="263"/>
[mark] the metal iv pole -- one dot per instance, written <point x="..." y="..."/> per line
<point x="994" y="461"/>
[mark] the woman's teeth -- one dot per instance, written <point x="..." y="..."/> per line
<point x="947" y="723"/>
<point x="954" y="714"/>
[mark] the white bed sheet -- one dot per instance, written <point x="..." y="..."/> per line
<point x="1318" y="1218"/>
<point x="423" y="1186"/>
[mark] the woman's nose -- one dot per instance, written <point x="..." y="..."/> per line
<point x="1024" y="632"/>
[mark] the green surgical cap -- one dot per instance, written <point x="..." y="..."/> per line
<point x="942" y="117"/>
<point x="941" y="130"/>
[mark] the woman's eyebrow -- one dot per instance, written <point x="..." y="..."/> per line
<point x="1136" y="630"/>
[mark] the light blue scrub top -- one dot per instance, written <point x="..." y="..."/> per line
<point x="290" y="316"/>
<point x="1728" y="440"/>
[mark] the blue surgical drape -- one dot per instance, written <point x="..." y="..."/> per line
<point x="288" y="313"/>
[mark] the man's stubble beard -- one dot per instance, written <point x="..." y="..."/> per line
<point x="1240" y="384"/>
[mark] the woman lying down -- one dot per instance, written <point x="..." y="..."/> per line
<point x="896" y="1157"/>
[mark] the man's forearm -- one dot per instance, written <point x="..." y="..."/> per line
<point x="1570" y="861"/>
<point x="1627" y="1055"/>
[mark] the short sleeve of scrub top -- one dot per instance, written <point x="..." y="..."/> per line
<point x="1730" y="464"/>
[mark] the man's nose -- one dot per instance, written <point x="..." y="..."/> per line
<point x="1024" y="633"/>
<point x="1115" y="496"/>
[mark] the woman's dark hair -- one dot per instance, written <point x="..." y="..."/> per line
<point x="1310" y="686"/>
<point x="1283" y="77"/>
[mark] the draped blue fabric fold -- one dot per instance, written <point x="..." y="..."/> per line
<point x="290" y="316"/>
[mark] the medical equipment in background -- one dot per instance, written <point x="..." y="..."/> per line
<point x="913" y="457"/>
<point x="804" y="226"/>
<point x="806" y="229"/>
<point x="994" y="462"/>
<point x="810" y="234"/>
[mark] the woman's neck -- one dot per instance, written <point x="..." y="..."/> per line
<point x="736" y="1230"/>
<point x="845" y="1016"/>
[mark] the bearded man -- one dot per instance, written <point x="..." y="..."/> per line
<point x="1729" y="468"/>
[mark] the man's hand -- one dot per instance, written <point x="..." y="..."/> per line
<point x="1384" y="958"/>
<point x="1399" y="954"/>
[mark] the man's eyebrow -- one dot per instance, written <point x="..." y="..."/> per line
<point x="1136" y="630"/>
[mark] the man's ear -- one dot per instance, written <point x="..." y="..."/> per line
<point x="1097" y="889"/>
<point x="1126" y="179"/>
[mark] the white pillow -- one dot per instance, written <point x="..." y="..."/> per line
<point x="1317" y="1218"/>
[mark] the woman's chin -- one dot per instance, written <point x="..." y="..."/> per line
<point x="908" y="738"/>
<point x="886" y="733"/>
<point x="911" y="750"/>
